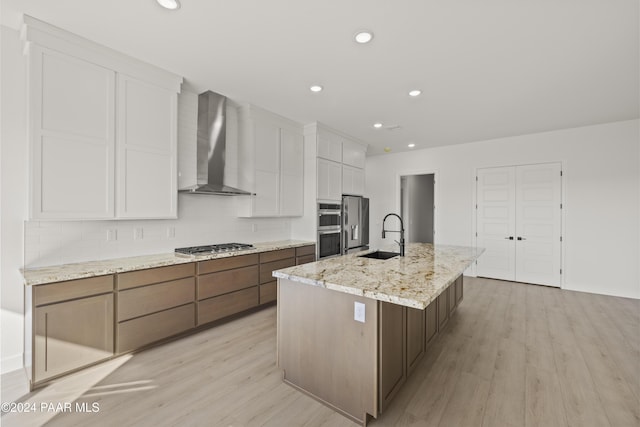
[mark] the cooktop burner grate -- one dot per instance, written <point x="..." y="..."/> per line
<point x="214" y="249"/>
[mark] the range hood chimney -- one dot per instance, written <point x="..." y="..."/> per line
<point x="211" y="148"/>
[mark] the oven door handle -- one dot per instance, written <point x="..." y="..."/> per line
<point x="337" y="213"/>
<point x="329" y="232"/>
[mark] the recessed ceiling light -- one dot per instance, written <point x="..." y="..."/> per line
<point x="415" y="92"/>
<point x="377" y="125"/>
<point x="411" y="145"/>
<point x="169" y="4"/>
<point x="363" y="36"/>
<point x="316" y="88"/>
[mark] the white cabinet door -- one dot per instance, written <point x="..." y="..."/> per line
<point x="329" y="146"/>
<point x="496" y="223"/>
<point x="538" y="245"/>
<point x="291" y="173"/>
<point x="518" y="223"/>
<point x="353" y="154"/>
<point x="352" y="181"/>
<point x="73" y="139"/>
<point x="267" y="168"/>
<point x="329" y="180"/>
<point x="147" y="141"/>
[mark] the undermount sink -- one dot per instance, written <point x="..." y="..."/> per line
<point x="380" y="255"/>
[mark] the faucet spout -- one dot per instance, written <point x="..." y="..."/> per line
<point x="401" y="231"/>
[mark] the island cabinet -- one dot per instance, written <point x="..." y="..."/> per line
<point x="71" y="326"/>
<point x="402" y="346"/>
<point x="154" y="304"/>
<point x="360" y="369"/>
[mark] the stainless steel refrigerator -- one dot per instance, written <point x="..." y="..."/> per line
<point x="355" y="224"/>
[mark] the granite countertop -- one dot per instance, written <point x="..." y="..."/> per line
<point x="414" y="280"/>
<point x="81" y="270"/>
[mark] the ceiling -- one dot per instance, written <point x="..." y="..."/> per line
<point x="487" y="69"/>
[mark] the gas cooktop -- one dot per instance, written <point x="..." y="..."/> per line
<point x="214" y="249"/>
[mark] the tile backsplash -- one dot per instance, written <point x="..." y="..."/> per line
<point x="201" y="220"/>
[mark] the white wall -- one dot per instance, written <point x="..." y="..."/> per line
<point x="13" y="192"/>
<point x="601" y="196"/>
<point x="202" y="219"/>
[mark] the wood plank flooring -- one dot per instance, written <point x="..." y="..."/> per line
<point x="512" y="355"/>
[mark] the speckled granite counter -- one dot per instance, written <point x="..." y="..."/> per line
<point x="413" y="280"/>
<point x="58" y="273"/>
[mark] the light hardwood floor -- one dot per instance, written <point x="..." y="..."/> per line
<point x="513" y="355"/>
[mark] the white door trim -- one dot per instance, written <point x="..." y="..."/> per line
<point x="398" y="202"/>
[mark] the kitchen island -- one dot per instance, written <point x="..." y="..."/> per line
<point x="351" y="329"/>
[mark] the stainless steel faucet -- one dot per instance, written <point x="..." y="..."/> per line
<point x="401" y="242"/>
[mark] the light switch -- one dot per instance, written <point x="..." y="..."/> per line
<point x="358" y="311"/>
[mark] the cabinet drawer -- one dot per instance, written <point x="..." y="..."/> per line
<point x="267" y="268"/>
<point x="225" y="305"/>
<point x="139" y="332"/>
<point x="214" y="265"/>
<point x="276" y="255"/>
<point x="149" y="299"/>
<point x="306" y="250"/>
<point x="63" y="291"/>
<point x="268" y="292"/>
<point x="305" y="259"/>
<point x="72" y="334"/>
<point x="134" y="279"/>
<point x="223" y="282"/>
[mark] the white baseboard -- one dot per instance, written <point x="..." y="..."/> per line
<point x="11" y="363"/>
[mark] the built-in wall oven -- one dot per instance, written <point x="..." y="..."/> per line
<point x="329" y="230"/>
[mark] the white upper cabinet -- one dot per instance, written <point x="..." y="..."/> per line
<point x="340" y="164"/>
<point x="102" y="130"/>
<point x="72" y="132"/>
<point x="271" y="158"/>
<point x="329" y="181"/>
<point x="291" y="173"/>
<point x="267" y="169"/>
<point x="146" y="147"/>
<point x="353" y="154"/>
<point x="352" y="180"/>
<point x="329" y="146"/>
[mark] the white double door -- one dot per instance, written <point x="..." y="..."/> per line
<point x="518" y="219"/>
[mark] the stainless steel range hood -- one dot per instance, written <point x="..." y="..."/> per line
<point x="211" y="148"/>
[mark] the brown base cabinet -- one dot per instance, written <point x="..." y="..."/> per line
<point x="72" y="326"/>
<point x="77" y="323"/>
<point x="354" y="367"/>
<point x="270" y="261"/>
<point x="142" y="331"/>
<point x="305" y="254"/>
<point x="154" y="304"/>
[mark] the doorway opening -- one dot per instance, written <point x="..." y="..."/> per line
<point x="417" y="194"/>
